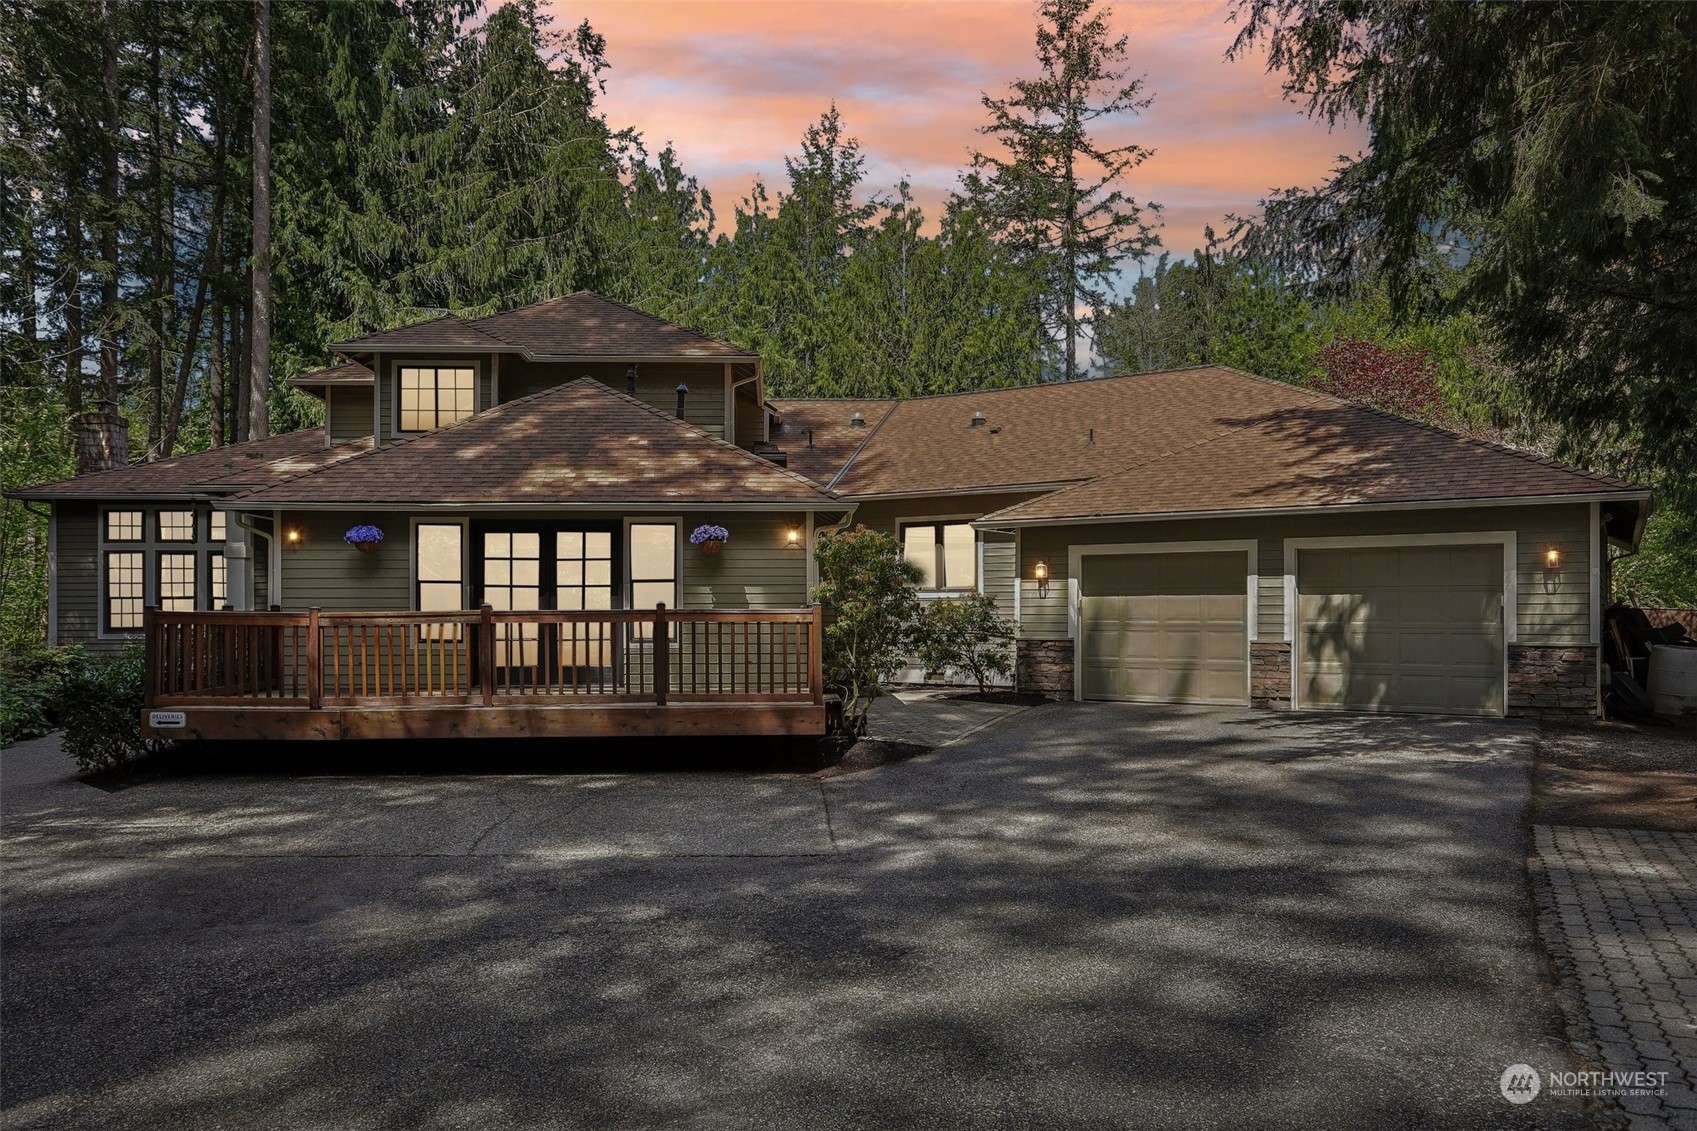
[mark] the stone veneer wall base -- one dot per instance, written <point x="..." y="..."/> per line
<point x="1552" y="682"/>
<point x="1269" y="674"/>
<point x="1044" y="666"/>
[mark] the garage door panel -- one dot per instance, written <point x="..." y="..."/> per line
<point x="1164" y="627"/>
<point x="1401" y="628"/>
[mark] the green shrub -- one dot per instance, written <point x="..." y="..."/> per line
<point x="871" y="598"/>
<point x="100" y="710"/>
<point x="967" y="637"/>
<point x="31" y="683"/>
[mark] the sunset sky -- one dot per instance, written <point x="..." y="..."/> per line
<point x="733" y="85"/>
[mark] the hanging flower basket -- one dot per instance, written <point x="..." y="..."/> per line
<point x="364" y="538"/>
<point x="710" y="538"/>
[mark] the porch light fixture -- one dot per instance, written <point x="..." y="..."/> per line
<point x="630" y="379"/>
<point x="1040" y="574"/>
<point x="683" y="391"/>
<point x="792" y="537"/>
<point x="292" y="537"/>
<point x="1552" y="557"/>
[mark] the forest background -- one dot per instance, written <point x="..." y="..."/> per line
<point x="1513" y="256"/>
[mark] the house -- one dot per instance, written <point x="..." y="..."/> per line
<point x="1196" y="536"/>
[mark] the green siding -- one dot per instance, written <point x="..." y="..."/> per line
<point x="1554" y="607"/>
<point x="347" y="413"/>
<point x="76" y="554"/>
<point x="330" y="574"/>
<point x="389" y="363"/>
<point x="755" y="570"/>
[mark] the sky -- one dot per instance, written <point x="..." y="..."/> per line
<point x="733" y="85"/>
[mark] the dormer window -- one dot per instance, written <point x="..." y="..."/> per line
<point x="434" y="395"/>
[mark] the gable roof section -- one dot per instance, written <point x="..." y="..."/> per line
<point x="445" y="332"/>
<point x="347" y="373"/>
<point x="585" y="324"/>
<point x="580" y="443"/>
<point x="231" y="467"/>
<point x="1315" y="451"/>
<point x="1051" y="434"/>
<point x="578" y="325"/>
<point x="816" y="436"/>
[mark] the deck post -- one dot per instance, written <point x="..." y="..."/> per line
<point x="275" y="680"/>
<point x="314" y="661"/>
<point x="486" y="652"/>
<point x="816" y="655"/>
<point x="150" y="654"/>
<point x="662" y="656"/>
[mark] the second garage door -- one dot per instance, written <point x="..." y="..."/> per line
<point x="1409" y="628"/>
<point x="1164" y="628"/>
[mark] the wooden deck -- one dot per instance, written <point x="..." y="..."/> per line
<point x="483" y="674"/>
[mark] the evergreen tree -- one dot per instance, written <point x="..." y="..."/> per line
<point x="1052" y="188"/>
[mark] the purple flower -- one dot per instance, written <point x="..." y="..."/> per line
<point x="362" y="534"/>
<point x="709" y="533"/>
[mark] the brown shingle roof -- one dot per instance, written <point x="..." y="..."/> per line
<point x="587" y="325"/>
<point x="347" y="373"/>
<point x="1315" y="451"/>
<point x="447" y="332"/>
<point x="577" y="443"/>
<point x="233" y="466"/>
<point x="833" y="439"/>
<point x="1053" y="433"/>
<point x="576" y="325"/>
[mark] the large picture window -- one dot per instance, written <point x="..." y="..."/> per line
<point x="945" y="552"/>
<point x="434" y="395"/>
<point x="156" y="556"/>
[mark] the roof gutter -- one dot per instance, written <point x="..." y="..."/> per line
<point x="992" y="521"/>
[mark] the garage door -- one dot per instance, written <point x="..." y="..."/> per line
<point x="1164" y="628"/>
<point x="1401" y="629"/>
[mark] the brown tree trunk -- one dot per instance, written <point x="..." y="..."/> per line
<point x="259" y="376"/>
<point x="161" y="283"/>
<point x="109" y="200"/>
<point x="215" y="378"/>
<point x="71" y="273"/>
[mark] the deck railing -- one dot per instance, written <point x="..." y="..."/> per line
<point x="317" y="659"/>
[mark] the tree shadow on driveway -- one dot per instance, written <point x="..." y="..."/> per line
<point x="1096" y="916"/>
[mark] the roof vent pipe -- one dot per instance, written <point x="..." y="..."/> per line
<point x="630" y="379"/>
<point x="977" y="420"/>
<point x="857" y="421"/>
<point x="683" y="391"/>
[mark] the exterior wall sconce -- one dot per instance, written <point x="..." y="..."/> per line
<point x="630" y="380"/>
<point x="292" y="537"/>
<point x="1552" y="557"/>
<point x="792" y="537"/>
<point x="1040" y="574"/>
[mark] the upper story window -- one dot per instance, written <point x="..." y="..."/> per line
<point x="945" y="552"/>
<point x="434" y="395"/>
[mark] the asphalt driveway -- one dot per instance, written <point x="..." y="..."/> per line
<point x="1087" y="916"/>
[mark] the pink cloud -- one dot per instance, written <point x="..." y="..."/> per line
<point x="733" y="85"/>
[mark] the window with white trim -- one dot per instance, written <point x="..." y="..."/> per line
<point x="945" y="552"/>
<point x="434" y="395"/>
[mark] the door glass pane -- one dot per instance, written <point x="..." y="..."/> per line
<point x="919" y="547"/>
<point x="653" y="565"/>
<point x="584" y="569"/>
<point x="511" y="572"/>
<point x="960" y="556"/>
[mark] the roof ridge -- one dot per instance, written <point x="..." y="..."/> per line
<point x="443" y="317"/>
